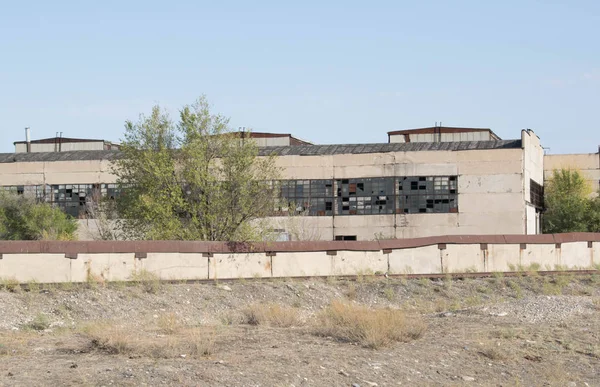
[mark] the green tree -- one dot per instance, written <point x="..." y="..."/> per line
<point x="192" y="180"/>
<point x="22" y="218"/>
<point x="593" y="218"/>
<point x="567" y="202"/>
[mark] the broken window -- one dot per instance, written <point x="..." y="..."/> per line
<point x="427" y="194"/>
<point x="365" y="196"/>
<point x="307" y="197"/>
<point x="536" y="192"/>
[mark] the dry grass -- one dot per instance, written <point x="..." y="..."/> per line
<point x="372" y="328"/>
<point x="149" y="281"/>
<point x="272" y="314"/>
<point x="15" y="342"/>
<point x="10" y="284"/>
<point x="168" y="323"/>
<point x="596" y="303"/>
<point x="117" y="339"/>
<point x="492" y="352"/>
<point x="350" y="291"/>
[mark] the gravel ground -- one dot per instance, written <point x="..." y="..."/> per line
<point x="485" y="332"/>
<point x="546" y="309"/>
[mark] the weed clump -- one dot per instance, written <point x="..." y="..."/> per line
<point x="149" y="281"/>
<point x="39" y="323"/>
<point x="371" y="328"/>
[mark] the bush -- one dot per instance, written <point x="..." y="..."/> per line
<point x="22" y="218"/>
<point x="372" y="328"/>
<point x="39" y="323"/>
<point x="569" y="207"/>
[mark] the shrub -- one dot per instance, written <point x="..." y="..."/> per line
<point x="39" y="323"/>
<point x="22" y="218"/>
<point x="372" y="328"/>
<point x="11" y="284"/>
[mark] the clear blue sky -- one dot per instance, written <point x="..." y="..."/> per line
<point x="326" y="71"/>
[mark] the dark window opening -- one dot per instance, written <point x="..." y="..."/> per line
<point x="536" y="194"/>
<point x="345" y="237"/>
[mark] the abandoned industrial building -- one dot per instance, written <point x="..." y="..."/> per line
<point x="422" y="182"/>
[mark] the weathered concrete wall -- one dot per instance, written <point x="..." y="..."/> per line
<point x="576" y="254"/>
<point x="175" y="265"/>
<point x="239" y="266"/>
<point x="36" y="267"/>
<point x="418" y="260"/>
<point x="533" y="169"/>
<point x="105" y="267"/>
<point x="359" y="262"/>
<point x="172" y="260"/>
<point x="300" y="264"/>
<point x="461" y="258"/>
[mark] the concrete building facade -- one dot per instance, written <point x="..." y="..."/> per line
<point x="346" y="192"/>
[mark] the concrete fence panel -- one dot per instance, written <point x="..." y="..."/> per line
<point x="189" y="266"/>
<point x="546" y="256"/>
<point x="359" y="262"/>
<point x="103" y="267"/>
<point x="418" y="260"/>
<point x="463" y="258"/>
<point x="576" y="255"/>
<point x="503" y="257"/>
<point x="301" y="264"/>
<point x="235" y="265"/>
<point x="36" y="267"/>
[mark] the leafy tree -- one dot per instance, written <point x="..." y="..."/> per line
<point x="193" y="180"/>
<point x="593" y="218"/>
<point x="568" y="206"/>
<point x="22" y="218"/>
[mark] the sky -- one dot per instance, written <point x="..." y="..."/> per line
<point x="326" y="71"/>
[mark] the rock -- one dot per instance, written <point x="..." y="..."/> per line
<point x="224" y="287"/>
<point x="572" y="384"/>
<point x="468" y="378"/>
<point x="355" y="385"/>
<point x="342" y="372"/>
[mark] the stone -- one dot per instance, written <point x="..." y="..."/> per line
<point x="342" y="372"/>
<point x="468" y="378"/>
<point x="224" y="287"/>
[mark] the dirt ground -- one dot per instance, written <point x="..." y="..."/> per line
<point x="524" y="331"/>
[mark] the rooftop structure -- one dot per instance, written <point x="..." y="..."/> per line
<point x="63" y="144"/>
<point x="273" y="139"/>
<point x="442" y="134"/>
